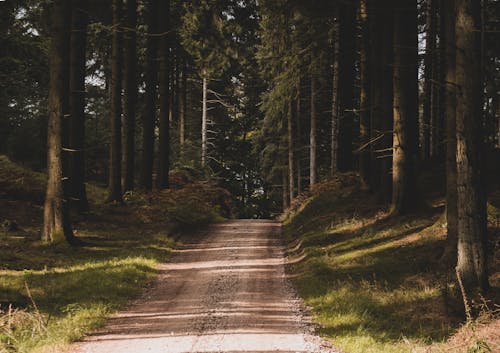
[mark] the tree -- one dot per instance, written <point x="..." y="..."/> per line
<point x="448" y="11"/>
<point x="471" y="261"/>
<point x="347" y="48"/>
<point x="312" y="135"/>
<point x="129" y="95"/>
<point x="290" y="138"/>
<point x="149" y="115"/>
<point x="56" y="219"/>
<point x="364" y="97"/>
<point x="404" y="181"/>
<point x="165" y="97"/>
<point x="115" y="155"/>
<point x="77" y="190"/>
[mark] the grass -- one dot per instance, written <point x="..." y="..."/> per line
<point x="52" y="295"/>
<point x="372" y="280"/>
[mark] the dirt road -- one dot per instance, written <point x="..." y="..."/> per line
<point x="224" y="292"/>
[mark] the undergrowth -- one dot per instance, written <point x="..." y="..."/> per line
<point x="372" y="280"/>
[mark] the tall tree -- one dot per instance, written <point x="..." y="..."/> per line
<point x="290" y="138"/>
<point x="381" y="93"/>
<point x="448" y="11"/>
<point x="165" y="97"/>
<point x="115" y="155"/>
<point x="404" y="181"/>
<point x="472" y="232"/>
<point x="149" y="115"/>
<point x="129" y="94"/>
<point x="183" y="105"/>
<point x="313" y="135"/>
<point x="77" y="190"/>
<point x="430" y="51"/>
<point x="56" y="219"/>
<point x="364" y="97"/>
<point x="347" y="61"/>
<point x="334" y="134"/>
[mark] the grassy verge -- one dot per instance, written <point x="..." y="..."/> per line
<point x="372" y="281"/>
<point x="53" y="295"/>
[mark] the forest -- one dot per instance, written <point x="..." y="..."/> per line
<point x="369" y="129"/>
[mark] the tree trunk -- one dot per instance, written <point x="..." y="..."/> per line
<point x="430" y="49"/>
<point x="77" y="190"/>
<point x="165" y="96"/>
<point x="298" y="134"/>
<point x="347" y="51"/>
<point x="56" y="221"/>
<point x="334" y="134"/>
<point x="115" y="155"/>
<point x="364" y="99"/>
<point x="448" y="11"/>
<point x="284" y="190"/>
<point x="312" y="135"/>
<point x="404" y="182"/>
<point x="382" y="100"/>
<point x="130" y="96"/>
<point x="182" y="106"/>
<point x="149" y="116"/>
<point x="290" y="151"/>
<point x="204" y="124"/>
<point x="472" y="233"/>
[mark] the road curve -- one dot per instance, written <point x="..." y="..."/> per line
<point x="224" y="291"/>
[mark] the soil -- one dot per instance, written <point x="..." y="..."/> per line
<point x="223" y="291"/>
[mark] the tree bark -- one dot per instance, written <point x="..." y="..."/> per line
<point x="334" y="134"/>
<point x="204" y="124"/>
<point x="115" y="155"/>
<point x="130" y="95"/>
<point x="77" y="190"/>
<point x="290" y="151"/>
<point x="382" y="100"/>
<point x="404" y="182"/>
<point x="430" y="49"/>
<point x="364" y="99"/>
<point x="312" y="135"/>
<point x="472" y="232"/>
<point x="56" y="220"/>
<point x="347" y="52"/>
<point x="149" y="116"/>
<point x="182" y="106"/>
<point x="448" y="11"/>
<point x="165" y="98"/>
<point x="298" y="133"/>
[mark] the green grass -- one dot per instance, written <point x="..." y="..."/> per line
<point x="372" y="280"/>
<point x="73" y="289"/>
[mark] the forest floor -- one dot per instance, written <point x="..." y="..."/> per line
<point x="223" y="291"/>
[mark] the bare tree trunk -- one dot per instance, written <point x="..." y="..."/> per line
<point x="430" y="49"/>
<point x="204" y="124"/>
<point x="130" y="96"/>
<point x="382" y="100"/>
<point x="472" y="233"/>
<point x="448" y="11"/>
<point x="149" y="116"/>
<point x="284" y="190"/>
<point x="347" y="51"/>
<point x="290" y="151"/>
<point x="182" y="106"/>
<point x="77" y="190"/>
<point x="312" y="135"/>
<point x="364" y="99"/>
<point x="404" y="182"/>
<point x="115" y="155"/>
<point x="334" y="134"/>
<point x="298" y="145"/>
<point x="165" y="98"/>
<point x="56" y="221"/>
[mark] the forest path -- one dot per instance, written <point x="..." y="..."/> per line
<point x="224" y="291"/>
